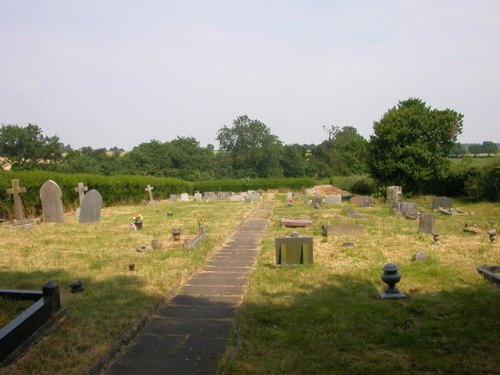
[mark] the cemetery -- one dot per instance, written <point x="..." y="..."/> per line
<point x="336" y="277"/>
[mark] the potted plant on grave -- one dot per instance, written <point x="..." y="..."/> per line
<point x="137" y="219"/>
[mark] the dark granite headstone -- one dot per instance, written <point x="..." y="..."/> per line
<point x="443" y="202"/>
<point x="91" y="207"/>
<point x="51" y="197"/>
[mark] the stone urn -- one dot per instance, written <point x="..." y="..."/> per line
<point x="391" y="277"/>
<point x="176" y="234"/>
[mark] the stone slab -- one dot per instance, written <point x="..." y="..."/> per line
<point x="211" y="312"/>
<point x="293" y="222"/>
<point x="343" y="229"/>
<point x="205" y="328"/>
<point x="211" y="290"/>
<point x="443" y="202"/>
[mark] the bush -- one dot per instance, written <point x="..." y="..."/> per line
<point x="356" y="184"/>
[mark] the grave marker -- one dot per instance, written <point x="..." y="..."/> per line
<point x="296" y="222"/>
<point x="443" y="202"/>
<point x="394" y="194"/>
<point x="81" y="189"/>
<point x="333" y="199"/>
<point x="295" y="249"/>
<point x="408" y="209"/>
<point x="426" y="223"/>
<point x="173" y="197"/>
<point x="18" y="205"/>
<point x="316" y="202"/>
<point x="343" y="229"/>
<point x="184" y="197"/>
<point x="51" y="196"/>
<point x="197" y="196"/>
<point x="362" y="201"/>
<point x="91" y="207"/>
<point x="150" y="189"/>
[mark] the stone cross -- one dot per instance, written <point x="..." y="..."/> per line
<point x="81" y="189"/>
<point x="18" y="206"/>
<point x="150" y="189"/>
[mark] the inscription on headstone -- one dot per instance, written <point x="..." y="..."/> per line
<point x="51" y="196"/>
<point x="15" y="190"/>
<point x="91" y="207"/>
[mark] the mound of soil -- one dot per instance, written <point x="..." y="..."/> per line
<point x="327" y="190"/>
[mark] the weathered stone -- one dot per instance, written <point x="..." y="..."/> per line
<point x="408" y="209"/>
<point x="426" y="223"/>
<point x="173" y="197"/>
<point x="362" y="201"/>
<point x="197" y="196"/>
<point x="184" y="197"/>
<point x="394" y="194"/>
<point x="296" y="222"/>
<point x="51" y="197"/>
<point x="316" y="202"/>
<point x="91" y="207"/>
<point x="150" y="189"/>
<point x="333" y="199"/>
<point x="15" y="190"/>
<point x="443" y="202"/>
<point x="343" y="229"/>
<point x="420" y="257"/>
<point x="352" y="214"/>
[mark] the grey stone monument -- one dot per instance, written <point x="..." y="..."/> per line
<point x="394" y="194"/>
<point x="51" y="196"/>
<point x="150" y="189"/>
<point x="173" y="197"/>
<point x="362" y="201"/>
<point x="408" y="209"/>
<point x="184" y="197"/>
<point x="197" y="196"/>
<point x="333" y="199"/>
<point x="343" y="229"/>
<point x="426" y="223"/>
<point x="443" y="202"/>
<point x="81" y="189"/>
<point x="15" y="190"/>
<point x="91" y="207"/>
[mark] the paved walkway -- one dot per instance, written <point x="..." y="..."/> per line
<point x="191" y="333"/>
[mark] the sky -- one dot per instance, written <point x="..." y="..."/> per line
<point x="105" y="74"/>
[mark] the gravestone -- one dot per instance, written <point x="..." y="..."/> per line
<point x="426" y="223"/>
<point x="408" y="209"/>
<point x="236" y="198"/>
<point x="91" y="207"/>
<point x="173" y="197"/>
<point x="253" y="196"/>
<point x="295" y="249"/>
<point x="362" y="201"/>
<point x="81" y="189"/>
<point x="15" y="190"/>
<point x="209" y="195"/>
<point x="222" y="195"/>
<point x="51" y="196"/>
<point x="354" y="215"/>
<point x="443" y="202"/>
<point x="394" y="194"/>
<point x="343" y="229"/>
<point x="289" y="195"/>
<point x="333" y="199"/>
<point x="293" y="222"/>
<point x="197" y="196"/>
<point x="184" y="197"/>
<point x="150" y="189"/>
<point x="420" y="257"/>
<point x="316" y="202"/>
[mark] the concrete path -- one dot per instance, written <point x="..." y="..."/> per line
<point x="191" y="333"/>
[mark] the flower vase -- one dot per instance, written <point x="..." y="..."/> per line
<point x="138" y="226"/>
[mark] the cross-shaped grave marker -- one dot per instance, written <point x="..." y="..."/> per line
<point x="18" y="206"/>
<point x="150" y="189"/>
<point x="81" y="189"/>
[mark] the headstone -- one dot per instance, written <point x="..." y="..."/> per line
<point x="333" y="199"/>
<point x="51" y="196"/>
<point x="209" y="195"/>
<point x="443" y="202"/>
<point x="254" y="196"/>
<point x="343" y="229"/>
<point x="362" y="201"/>
<point x="150" y="189"/>
<point x="420" y="257"/>
<point x="15" y="190"/>
<point x="236" y="198"/>
<point x="426" y="223"/>
<point x="197" y="196"/>
<point x="293" y="222"/>
<point x="408" y="209"/>
<point x="394" y="194"/>
<point x="81" y="189"/>
<point x="91" y="207"/>
<point x="294" y="250"/>
<point x="222" y="195"/>
<point x="289" y="195"/>
<point x="316" y="202"/>
<point x="173" y="197"/>
<point x="184" y="197"/>
<point x="354" y="215"/>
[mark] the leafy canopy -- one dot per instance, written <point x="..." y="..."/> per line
<point x="411" y="144"/>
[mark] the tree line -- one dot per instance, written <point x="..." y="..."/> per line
<point x="410" y="147"/>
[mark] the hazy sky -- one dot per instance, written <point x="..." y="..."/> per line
<point x="118" y="73"/>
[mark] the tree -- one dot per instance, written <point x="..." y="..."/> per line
<point x="294" y="161"/>
<point x="457" y="150"/>
<point x="26" y="147"/>
<point x="490" y="147"/>
<point x="475" y="149"/>
<point x="345" y="151"/>
<point x="411" y="144"/>
<point x="253" y="150"/>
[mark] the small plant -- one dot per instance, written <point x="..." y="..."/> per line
<point x="137" y="218"/>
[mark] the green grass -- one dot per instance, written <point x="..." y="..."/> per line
<point x="326" y="318"/>
<point x="98" y="254"/>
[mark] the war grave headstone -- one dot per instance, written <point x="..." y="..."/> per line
<point x="184" y="197"/>
<point x="80" y="189"/>
<point x="173" y="197"/>
<point x="51" y="196"/>
<point x="426" y="223"/>
<point x="295" y="249"/>
<point x="443" y="202"/>
<point x="333" y="199"/>
<point x="197" y="196"/>
<point x="408" y="209"/>
<point x="394" y="194"/>
<point x="343" y="229"/>
<point x="150" y="189"/>
<point x="362" y="201"/>
<point x="91" y="207"/>
<point x="293" y="222"/>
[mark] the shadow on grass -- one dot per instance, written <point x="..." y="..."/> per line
<point x="342" y="327"/>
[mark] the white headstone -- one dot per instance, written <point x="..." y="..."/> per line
<point x="184" y="197"/>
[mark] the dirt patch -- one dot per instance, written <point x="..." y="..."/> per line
<point x="326" y="190"/>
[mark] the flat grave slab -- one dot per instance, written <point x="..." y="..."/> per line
<point x="293" y="222"/>
<point x="492" y="273"/>
<point x="343" y="229"/>
<point x="362" y="201"/>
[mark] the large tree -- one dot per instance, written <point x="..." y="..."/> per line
<point x="253" y="150"/>
<point x="411" y="144"/>
<point x="27" y="147"/>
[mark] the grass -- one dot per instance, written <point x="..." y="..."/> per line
<point x="326" y="318"/>
<point x="98" y="254"/>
